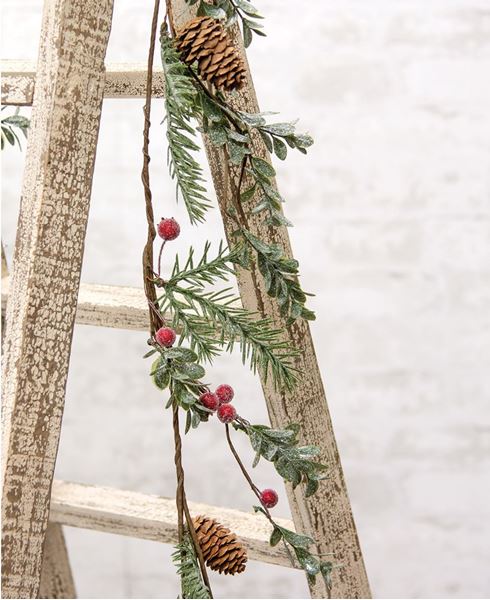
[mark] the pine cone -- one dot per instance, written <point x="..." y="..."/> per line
<point x="204" y="39"/>
<point x="221" y="549"/>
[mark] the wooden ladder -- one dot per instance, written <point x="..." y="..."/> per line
<point x="46" y="299"/>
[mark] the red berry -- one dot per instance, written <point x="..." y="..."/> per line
<point x="225" y="393"/>
<point x="168" y="229"/>
<point x="209" y="400"/>
<point x="165" y="336"/>
<point x="226" y="413"/>
<point x="269" y="498"/>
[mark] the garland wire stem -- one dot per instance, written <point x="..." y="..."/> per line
<point x="150" y="293"/>
<point x="149" y="286"/>
<point x="160" y="257"/>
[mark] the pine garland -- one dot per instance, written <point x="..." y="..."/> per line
<point x="210" y="320"/>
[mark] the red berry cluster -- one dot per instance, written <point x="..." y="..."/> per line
<point x="220" y="401"/>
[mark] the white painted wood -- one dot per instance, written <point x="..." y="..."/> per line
<point x="46" y="272"/>
<point x="56" y="576"/>
<point x="155" y="518"/>
<point x="123" y="80"/>
<point x="326" y="516"/>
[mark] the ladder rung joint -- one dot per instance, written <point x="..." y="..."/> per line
<point x="123" y="80"/>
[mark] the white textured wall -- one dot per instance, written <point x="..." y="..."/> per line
<point x="392" y="211"/>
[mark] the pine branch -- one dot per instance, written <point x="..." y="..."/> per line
<point x="180" y="98"/>
<point x="204" y="271"/>
<point x="185" y="559"/>
<point x="212" y="319"/>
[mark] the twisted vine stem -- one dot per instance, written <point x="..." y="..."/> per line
<point x="150" y="291"/>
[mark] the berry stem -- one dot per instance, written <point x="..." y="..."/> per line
<point x="160" y="258"/>
<point x="255" y="489"/>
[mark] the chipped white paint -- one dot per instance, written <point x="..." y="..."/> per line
<point x="154" y="518"/>
<point x="123" y="80"/>
<point x="56" y="576"/>
<point x="46" y="272"/>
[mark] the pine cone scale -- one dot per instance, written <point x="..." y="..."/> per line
<point x="205" y="40"/>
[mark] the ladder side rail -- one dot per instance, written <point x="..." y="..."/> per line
<point x="46" y="273"/>
<point x="56" y="576"/>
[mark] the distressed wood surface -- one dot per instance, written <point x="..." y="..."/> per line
<point x="123" y="80"/>
<point x="105" y="306"/>
<point x="155" y="518"/>
<point x="56" y="576"/>
<point x="46" y="274"/>
<point x="327" y="515"/>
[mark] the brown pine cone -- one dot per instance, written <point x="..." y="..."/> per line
<point x="205" y="40"/>
<point x="221" y="549"/>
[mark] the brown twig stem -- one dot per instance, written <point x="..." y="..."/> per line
<point x="145" y="177"/>
<point x="182" y="507"/>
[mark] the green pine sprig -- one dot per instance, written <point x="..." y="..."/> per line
<point x="185" y="559"/>
<point x="180" y="99"/>
<point x="9" y="126"/>
<point x="213" y="320"/>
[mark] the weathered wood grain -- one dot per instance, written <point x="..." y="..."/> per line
<point x="56" y="576"/>
<point x="105" y="306"/>
<point x="46" y="272"/>
<point x="154" y="518"/>
<point x="327" y="515"/>
<point x="122" y="80"/>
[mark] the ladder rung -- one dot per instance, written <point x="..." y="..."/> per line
<point x="123" y="80"/>
<point x="155" y="518"/>
<point x="106" y="306"/>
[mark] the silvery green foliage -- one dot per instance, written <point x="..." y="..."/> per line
<point x="232" y="11"/>
<point x="299" y="544"/>
<point x="294" y="463"/>
<point x="9" y="126"/>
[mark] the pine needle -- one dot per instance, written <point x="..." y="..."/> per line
<point x="180" y="98"/>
